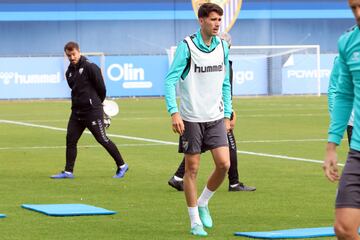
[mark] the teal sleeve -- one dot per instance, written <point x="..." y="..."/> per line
<point x="332" y="85"/>
<point x="343" y="103"/>
<point x="226" y="88"/>
<point x="177" y="67"/>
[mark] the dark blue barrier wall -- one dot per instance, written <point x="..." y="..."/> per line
<point x="149" y="27"/>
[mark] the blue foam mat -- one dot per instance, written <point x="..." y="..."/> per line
<point x="2" y="215"/>
<point x="290" y="233"/>
<point x="63" y="210"/>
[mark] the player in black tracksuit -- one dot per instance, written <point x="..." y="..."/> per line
<point x="87" y="94"/>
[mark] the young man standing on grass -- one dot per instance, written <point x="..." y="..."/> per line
<point x="87" y="94"/>
<point x="201" y="63"/>
<point x="347" y="208"/>
<point x="176" y="181"/>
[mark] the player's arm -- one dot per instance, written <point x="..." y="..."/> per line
<point x="176" y="70"/>
<point x="330" y="163"/>
<point x="340" y="116"/>
<point x="332" y="85"/>
<point x="226" y="89"/>
<point x="343" y="102"/>
<point x="97" y="80"/>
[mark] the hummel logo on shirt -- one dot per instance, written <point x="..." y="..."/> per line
<point x="202" y="69"/>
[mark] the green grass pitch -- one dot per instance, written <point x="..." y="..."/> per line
<point x="290" y="194"/>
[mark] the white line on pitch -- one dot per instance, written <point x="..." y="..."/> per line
<point x="285" y="115"/>
<point x="163" y="118"/>
<point x="284" y="157"/>
<point x="79" y="146"/>
<point x="283" y="140"/>
<point x="87" y="132"/>
<point x="241" y="141"/>
<point x="165" y="142"/>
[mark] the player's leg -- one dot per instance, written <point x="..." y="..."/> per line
<point x="233" y="174"/>
<point x="75" y="129"/>
<point x="190" y="144"/>
<point x="215" y="139"/>
<point x="234" y="183"/>
<point x="181" y="169"/>
<point x="347" y="222"/>
<point x="176" y="181"/>
<point x="96" y="126"/>
<point x="222" y="165"/>
<point x="192" y="162"/>
<point x="347" y="214"/>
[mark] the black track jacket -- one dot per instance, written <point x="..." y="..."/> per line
<point x="87" y="86"/>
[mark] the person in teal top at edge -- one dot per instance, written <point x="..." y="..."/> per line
<point x="347" y="207"/>
<point x="201" y="66"/>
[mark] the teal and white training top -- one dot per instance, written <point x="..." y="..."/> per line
<point x="348" y="89"/>
<point x="203" y="71"/>
<point x="334" y="77"/>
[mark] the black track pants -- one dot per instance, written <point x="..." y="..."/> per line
<point x="93" y="122"/>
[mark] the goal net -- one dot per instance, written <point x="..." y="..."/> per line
<point x="275" y="70"/>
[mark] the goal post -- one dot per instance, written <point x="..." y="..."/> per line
<point x="96" y="57"/>
<point x="274" y="69"/>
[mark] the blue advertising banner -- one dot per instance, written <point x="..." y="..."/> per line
<point x="43" y="77"/>
<point x="249" y="75"/>
<point x="299" y="74"/>
<point x="135" y="75"/>
<point x="35" y="77"/>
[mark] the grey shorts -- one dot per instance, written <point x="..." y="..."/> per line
<point x="348" y="194"/>
<point x="200" y="137"/>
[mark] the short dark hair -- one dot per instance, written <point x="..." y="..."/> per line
<point x="206" y="8"/>
<point x="70" y="46"/>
